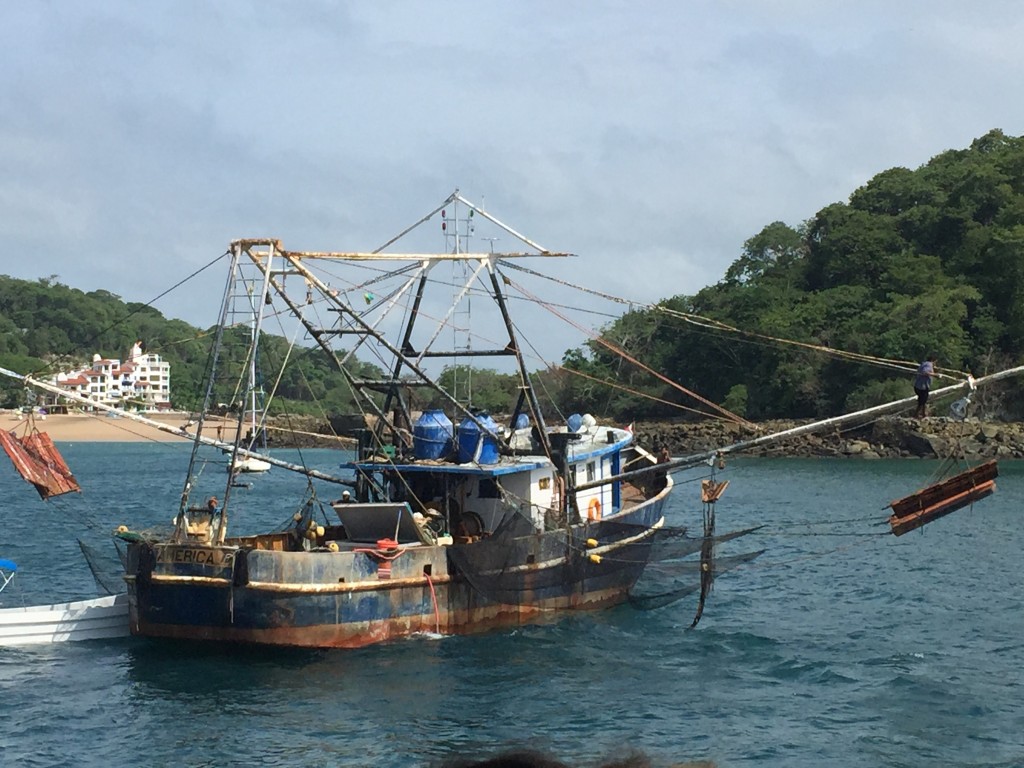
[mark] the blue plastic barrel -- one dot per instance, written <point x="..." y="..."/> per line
<point x="432" y="435"/>
<point x="574" y="422"/>
<point x="476" y="446"/>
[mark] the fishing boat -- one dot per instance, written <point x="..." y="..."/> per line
<point x="451" y="524"/>
<point x="93" y="619"/>
<point x="249" y="464"/>
<point x="98" y="618"/>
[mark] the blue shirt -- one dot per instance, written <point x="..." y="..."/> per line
<point x="924" y="375"/>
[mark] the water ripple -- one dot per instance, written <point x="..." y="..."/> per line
<point x="893" y="652"/>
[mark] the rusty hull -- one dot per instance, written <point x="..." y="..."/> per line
<point x="346" y="599"/>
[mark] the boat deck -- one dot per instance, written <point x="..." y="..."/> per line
<point x="631" y="495"/>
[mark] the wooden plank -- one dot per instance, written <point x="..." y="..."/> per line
<point x="710" y="491"/>
<point x="902" y="523"/>
<point x="934" y="494"/>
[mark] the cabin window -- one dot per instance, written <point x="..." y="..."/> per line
<point x="591" y="472"/>
<point x="544" y="483"/>
<point x="488" y="489"/>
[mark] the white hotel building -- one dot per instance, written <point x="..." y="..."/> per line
<point x="143" y="380"/>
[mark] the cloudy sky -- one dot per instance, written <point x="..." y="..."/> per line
<point x="650" y="138"/>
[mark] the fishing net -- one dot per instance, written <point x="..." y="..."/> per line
<point x="107" y="568"/>
<point x="516" y="565"/>
<point x="665" y="583"/>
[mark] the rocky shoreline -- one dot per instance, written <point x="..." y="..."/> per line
<point x="891" y="437"/>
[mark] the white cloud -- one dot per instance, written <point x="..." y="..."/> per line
<point x="138" y="140"/>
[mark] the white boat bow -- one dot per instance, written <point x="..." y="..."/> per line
<point x="94" y="619"/>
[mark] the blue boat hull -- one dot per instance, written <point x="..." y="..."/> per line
<point x="362" y="596"/>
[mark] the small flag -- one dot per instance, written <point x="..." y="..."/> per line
<point x="368" y="297"/>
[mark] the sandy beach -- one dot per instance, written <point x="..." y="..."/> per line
<point x="100" y="428"/>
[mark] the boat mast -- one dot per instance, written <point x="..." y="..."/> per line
<point x="257" y="306"/>
<point x="394" y="393"/>
<point x="358" y="326"/>
<point x="527" y="389"/>
<point x="252" y="384"/>
<point x="181" y="526"/>
<point x="395" y="416"/>
<point x="251" y="401"/>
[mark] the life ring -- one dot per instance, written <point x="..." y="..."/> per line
<point x="594" y="509"/>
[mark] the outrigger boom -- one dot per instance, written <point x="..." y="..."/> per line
<point x="692" y="460"/>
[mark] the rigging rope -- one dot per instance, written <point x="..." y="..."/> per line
<point x="712" y="324"/>
<point x="636" y="392"/>
<point x="135" y="311"/>
<point x="626" y="356"/>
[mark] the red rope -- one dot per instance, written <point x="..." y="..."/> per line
<point x="380" y="554"/>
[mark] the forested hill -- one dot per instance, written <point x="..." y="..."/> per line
<point x="916" y="262"/>
<point x="46" y="327"/>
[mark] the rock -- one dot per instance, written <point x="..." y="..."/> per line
<point x="972" y="448"/>
<point x="857" y="447"/>
<point x="939" y="445"/>
<point x="988" y="432"/>
<point x="919" y="444"/>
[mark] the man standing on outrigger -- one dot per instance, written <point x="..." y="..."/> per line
<point x="923" y="383"/>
